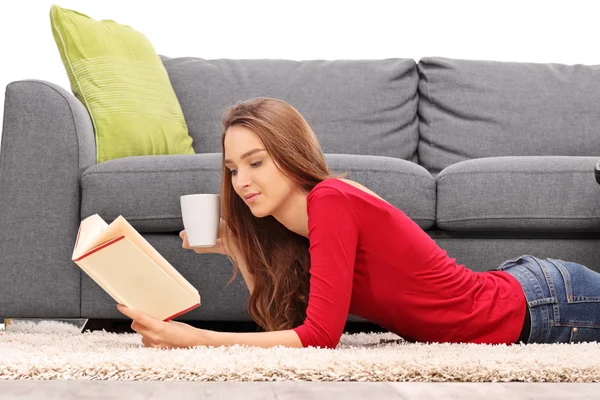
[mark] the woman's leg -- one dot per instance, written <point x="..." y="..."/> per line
<point x="563" y="298"/>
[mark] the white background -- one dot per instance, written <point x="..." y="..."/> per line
<point x="526" y="31"/>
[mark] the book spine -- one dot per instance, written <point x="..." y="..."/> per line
<point x="182" y="312"/>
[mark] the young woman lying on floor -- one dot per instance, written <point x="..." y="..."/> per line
<point x="313" y="247"/>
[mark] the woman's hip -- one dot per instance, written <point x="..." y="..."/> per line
<point x="563" y="298"/>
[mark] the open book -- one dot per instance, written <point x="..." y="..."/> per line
<point x="130" y="270"/>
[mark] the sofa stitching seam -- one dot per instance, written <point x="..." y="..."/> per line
<point x="430" y="179"/>
<point x="519" y="217"/>
<point x="178" y="217"/>
<point x="450" y="175"/>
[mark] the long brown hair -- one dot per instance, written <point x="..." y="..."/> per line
<point x="277" y="257"/>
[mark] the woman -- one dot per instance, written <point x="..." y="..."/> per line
<point x="313" y="247"/>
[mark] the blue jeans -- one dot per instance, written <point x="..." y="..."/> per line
<point x="563" y="299"/>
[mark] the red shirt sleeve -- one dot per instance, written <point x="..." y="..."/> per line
<point x="333" y="234"/>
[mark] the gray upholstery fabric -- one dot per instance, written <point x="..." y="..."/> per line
<point x="481" y="253"/>
<point x="471" y="109"/>
<point x="535" y="193"/>
<point x="366" y="107"/>
<point x="483" y="187"/>
<point x="47" y="140"/>
<point x="146" y="190"/>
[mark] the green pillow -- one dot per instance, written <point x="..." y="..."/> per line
<point x="116" y="73"/>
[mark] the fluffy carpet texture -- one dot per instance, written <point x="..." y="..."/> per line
<point x="54" y="350"/>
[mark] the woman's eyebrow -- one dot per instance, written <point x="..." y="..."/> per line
<point x="246" y="154"/>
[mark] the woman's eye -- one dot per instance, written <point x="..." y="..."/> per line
<point x="254" y="165"/>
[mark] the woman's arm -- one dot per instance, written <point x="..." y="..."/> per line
<point x="334" y="239"/>
<point x="333" y="245"/>
<point x="334" y="236"/>
<point x="287" y="338"/>
<point x="175" y="334"/>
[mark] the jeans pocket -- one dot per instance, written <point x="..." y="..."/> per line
<point x="582" y="285"/>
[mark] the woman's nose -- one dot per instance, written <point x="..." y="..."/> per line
<point x="243" y="179"/>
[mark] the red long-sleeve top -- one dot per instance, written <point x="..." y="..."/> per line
<point x="370" y="259"/>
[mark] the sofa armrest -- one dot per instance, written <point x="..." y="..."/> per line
<point x="47" y="142"/>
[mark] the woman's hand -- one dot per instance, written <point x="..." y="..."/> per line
<point x="168" y="335"/>
<point x="219" y="246"/>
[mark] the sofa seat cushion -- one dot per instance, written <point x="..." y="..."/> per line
<point x="536" y="193"/>
<point x="146" y="189"/>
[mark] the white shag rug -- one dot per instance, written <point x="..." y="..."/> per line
<point x="55" y="350"/>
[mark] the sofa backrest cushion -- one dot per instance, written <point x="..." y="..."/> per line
<point x="353" y="106"/>
<point x="472" y="109"/>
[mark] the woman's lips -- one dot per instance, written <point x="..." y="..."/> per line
<point x="253" y="198"/>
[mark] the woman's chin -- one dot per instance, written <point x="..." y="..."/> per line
<point x="257" y="212"/>
<point x="260" y="215"/>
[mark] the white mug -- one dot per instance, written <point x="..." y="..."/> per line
<point x="201" y="215"/>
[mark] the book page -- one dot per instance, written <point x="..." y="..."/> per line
<point x="133" y="278"/>
<point x="89" y="230"/>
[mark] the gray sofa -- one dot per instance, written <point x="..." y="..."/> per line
<point x="492" y="159"/>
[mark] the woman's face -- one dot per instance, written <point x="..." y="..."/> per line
<point x="254" y="171"/>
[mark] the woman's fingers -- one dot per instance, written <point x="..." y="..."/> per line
<point x="200" y="250"/>
<point x="185" y="244"/>
<point x="148" y="343"/>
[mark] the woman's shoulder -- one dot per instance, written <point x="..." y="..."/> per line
<point x="345" y="185"/>
<point x="337" y="183"/>
<point x="331" y="185"/>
